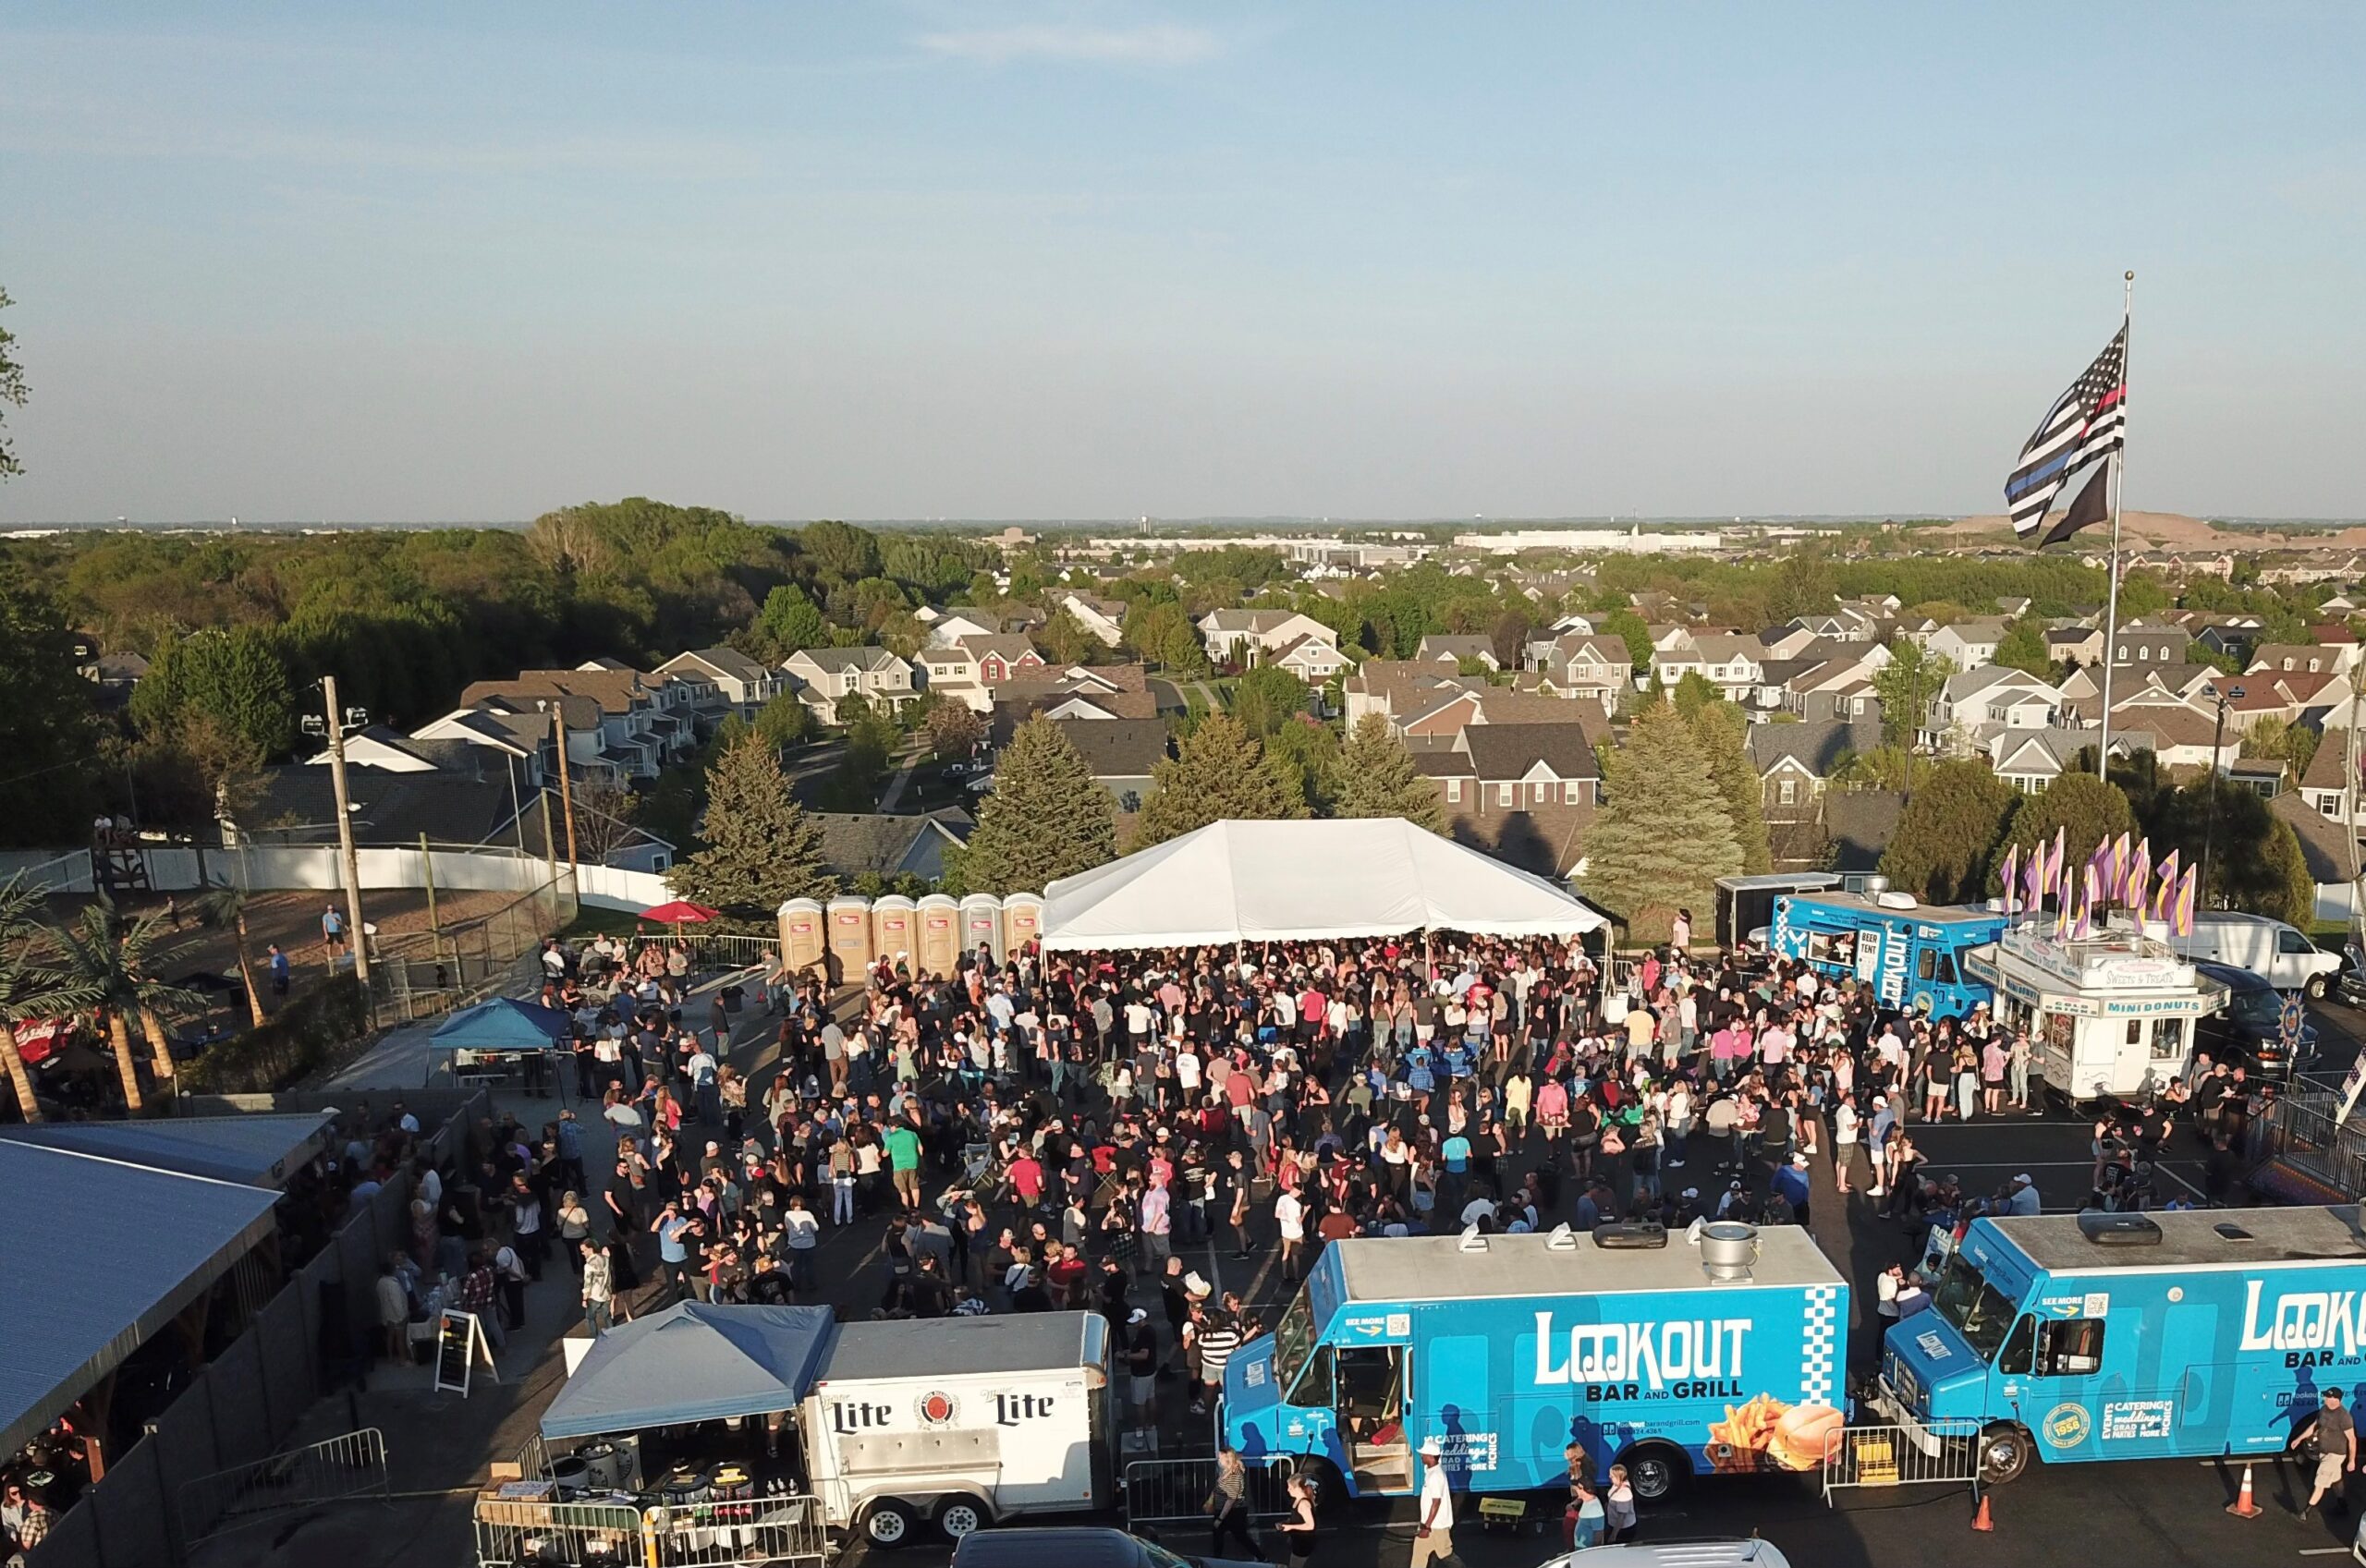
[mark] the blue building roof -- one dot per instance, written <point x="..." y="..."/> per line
<point x="96" y="1256"/>
<point x="255" y="1150"/>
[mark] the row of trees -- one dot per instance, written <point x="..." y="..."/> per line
<point x="1951" y="839"/>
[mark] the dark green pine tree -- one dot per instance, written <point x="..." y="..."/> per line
<point x="1377" y="777"/>
<point x="1666" y="834"/>
<point x="758" y="847"/>
<point x="1047" y="817"/>
<point x="1219" y="773"/>
<point x="1720" y="727"/>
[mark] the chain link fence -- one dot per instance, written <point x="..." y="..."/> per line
<point x="425" y="974"/>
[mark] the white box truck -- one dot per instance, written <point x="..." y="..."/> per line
<point x="959" y="1423"/>
<point x="2282" y="956"/>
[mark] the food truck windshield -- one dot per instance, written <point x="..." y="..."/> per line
<point x="1293" y="1343"/>
<point x="1972" y="1307"/>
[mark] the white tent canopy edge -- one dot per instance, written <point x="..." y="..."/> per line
<point x="1303" y="881"/>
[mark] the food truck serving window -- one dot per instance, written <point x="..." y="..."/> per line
<point x="2168" y="1039"/>
<point x="1972" y="1307"/>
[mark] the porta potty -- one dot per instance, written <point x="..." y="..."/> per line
<point x="982" y="924"/>
<point x="1022" y="922"/>
<point x="939" y="920"/>
<point x="849" y="939"/>
<point x="803" y="946"/>
<point x="891" y="931"/>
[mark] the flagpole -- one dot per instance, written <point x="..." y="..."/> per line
<point x="2118" y="459"/>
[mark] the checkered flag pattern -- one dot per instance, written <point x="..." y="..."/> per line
<point x="1820" y="1345"/>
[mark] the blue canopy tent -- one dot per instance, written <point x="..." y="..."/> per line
<point x="504" y="1026"/>
<point x="692" y="1362"/>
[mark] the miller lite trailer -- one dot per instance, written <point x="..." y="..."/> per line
<point x="2076" y="1337"/>
<point x="959" y="1423"/>
<point x="1721" y="1351"/>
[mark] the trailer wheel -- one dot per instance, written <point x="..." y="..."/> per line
<point x="888" y="1524"/>
<point x="961" y="1515"/>
<point x="2005" y="1453"/>
<point x="1657" y="1470"/>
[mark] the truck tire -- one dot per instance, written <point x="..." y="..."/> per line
<point x="1657" y="1470"/>
<point x="889" y="1523"/>
<point x="1330" y="1487"/>
<point x="2005" y="1453"/>
<point x="961" y="1515"/>
<point x="2315" y="987"/>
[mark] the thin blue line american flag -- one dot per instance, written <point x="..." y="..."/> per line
<point x="2085" y="423"/>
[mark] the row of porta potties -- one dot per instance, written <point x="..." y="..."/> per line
<point x="928" y="936"/>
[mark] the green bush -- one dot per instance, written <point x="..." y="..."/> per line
<point x="300" y="1038"/>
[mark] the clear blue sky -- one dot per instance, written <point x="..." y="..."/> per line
<point x="470" y="261"/>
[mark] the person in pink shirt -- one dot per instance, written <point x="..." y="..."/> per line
<point x="1552" y="1110"/>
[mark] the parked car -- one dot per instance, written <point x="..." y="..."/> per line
<point x="1716" y="1552"/>
<point x="2250" y="1028"/>
<point x="1079" y="1547"/>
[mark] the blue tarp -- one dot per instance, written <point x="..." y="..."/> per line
<point x="692" y="1362"/>
<point x="502" y="1024"/>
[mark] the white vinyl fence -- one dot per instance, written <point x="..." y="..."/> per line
<point x="176" y="868"/>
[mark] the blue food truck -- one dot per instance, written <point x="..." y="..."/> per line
<point x="2071" y="1338"/>
<point x="1910" y="954"/>
<point x="1672" y="1356"/>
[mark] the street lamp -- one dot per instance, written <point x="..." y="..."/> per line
<point x="335" y="724"/>
<point x="2210" y="823"/>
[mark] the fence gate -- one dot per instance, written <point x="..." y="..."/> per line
<point x="524" y="1534"/>
<point x="1944" y="1451"/>
<point x="1174" y="1491"/>
<point x="342" y="1468"/>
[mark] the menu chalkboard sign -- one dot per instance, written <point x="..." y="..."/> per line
<point x="459" y="1344"/>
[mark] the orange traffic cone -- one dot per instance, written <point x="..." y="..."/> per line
<point x="1980" y="1520"/>
<point x="2245" y="1506"/>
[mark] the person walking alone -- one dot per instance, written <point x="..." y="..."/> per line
<point x="1228" y="1507"/>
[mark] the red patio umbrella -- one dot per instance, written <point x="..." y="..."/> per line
<point x="680" y="912"/>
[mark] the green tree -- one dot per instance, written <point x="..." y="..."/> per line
<point x="1507" y="637"/>
<point x="1692" y="692"/>
<point x="1905" y="685"/>
<point x="792" y="621"/>
<point x="871" y="741"/>
<point x="1047" y="818"/>
<point x="1881" y="767"/>
<point x="1309" y="750"/>
<point x="1065" y="639"/>
<point x="2023" y="648"/>
<point x="2271" y="738"/>
<point x="1628" y="629"/>
<point x="1162" y="633"/>
<point x="1664" y="834"/>
<point x="1219" y="773"/>
<point x="32" y="983"/>
<point x="1266" y="697"/>
<point x="2252" y="866"/>
<point x="784" y="722"/>
<point x="49" y="730"/>
<point x="953" y="729"/>
<point x="757" y="846"/>
<point x="1947" y="835"/>
<point x="1377" y="777"/>
<point x="2082" y="808"/>
<point x="12" y="392"/>
<point x="234" y="677"/>
<point x="1722" y="732"/>
<point x="118" y="962"/>
<point x="840" y="551"/>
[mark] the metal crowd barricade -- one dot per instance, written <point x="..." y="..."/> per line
<point x="1942" y="1451"/>
<point x="1176" y="1491"/>
<point x="344" y="1467"/>
<point x="578" y="1534"/>
<point x="763" y="1530"/>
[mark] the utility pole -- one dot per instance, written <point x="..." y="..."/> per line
<point x="565" y="789"/>
<point x="349" y="863"/>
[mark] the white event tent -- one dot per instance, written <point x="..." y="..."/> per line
<point x="1257" y="882"/>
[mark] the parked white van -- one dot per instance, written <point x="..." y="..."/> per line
<point x="2278" y="954"/>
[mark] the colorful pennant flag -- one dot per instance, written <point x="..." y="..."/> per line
<point x="2138" y="884"/>
<point x="2164" y="891"/>
<point x="2055" y="862"/>
<point x="2033" y="881"/>
<point x="2181" y="923"/>
<point x="2012" y="867"/>
<point x="2115" y="881"/>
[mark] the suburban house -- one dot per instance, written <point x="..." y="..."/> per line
<point x="1397" y="690"/>
<point x="1967" y="644"/>
<point x="1590" y="668"/>
<point x="2234" y="635"/>
<point x="1836" y="688"/>
<point x="970" y="669"/>
<point x="2149" y="642"/>
<point x="1442" y="650"/>
<point x="1311" y="659"/>
<point x="866" y="843"/>
<point x="1452" y="708"/>
<point x="1104" y="618"/>
<point x="1522" y="792"/>
<point x="1097" y="692"/>
<point x="1796" y="761"/>
<point x="2304" y="658"/>
<point x="519" y="741"/>
<point x="635" y="734"/>
<point x="1244" y="636"/>
<point x="2326" y="846"/>
<point x="951" y="626"/>
<point x="2317" y="699"/>
<point x="1971" y="705"/>
<point x="2324" y="787"/>
<point x="1121" y="753"/>
<point x="1729" y="661"/>
<point x="821" y="677"/>
<point x="2031" y="759"/>
<point x="741" y="683"/>
<point x="2073" y="644"/>
<point x="1674" y="655"/>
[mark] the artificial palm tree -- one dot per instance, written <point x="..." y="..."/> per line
<point x="31" y="987"/>
<point x="228" y="906"/>
<point x="116" y="961"/>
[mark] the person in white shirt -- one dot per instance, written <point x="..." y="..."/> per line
<point x="1433" y="1522"/>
